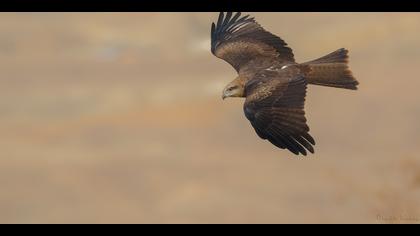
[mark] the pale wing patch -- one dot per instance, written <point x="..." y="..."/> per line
<point x="239" y="52"/>
<point x="264" y="90"/>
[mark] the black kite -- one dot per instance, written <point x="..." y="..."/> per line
<point x="273" y="84"/>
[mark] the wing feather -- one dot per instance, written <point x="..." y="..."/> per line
<point x="238" y="40"/>
<point x="279" y="117"/>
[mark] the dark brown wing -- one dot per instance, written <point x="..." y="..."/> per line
<point x="238" y="40"/>
<point x="274" y="106"/>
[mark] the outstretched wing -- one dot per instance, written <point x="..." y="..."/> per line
<point x="274" y="106"/>
<point x="238" y="40"/>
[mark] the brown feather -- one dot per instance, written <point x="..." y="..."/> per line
<point x="330" y="70"/>
<point x="238" y="41"/>
<point x="274" y="106"/>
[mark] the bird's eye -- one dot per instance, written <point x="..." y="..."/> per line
<point x="232" y="88"/>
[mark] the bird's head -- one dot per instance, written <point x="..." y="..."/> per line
<point x="234" y="89"/>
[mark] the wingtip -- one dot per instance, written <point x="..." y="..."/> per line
<point x="220" y="18"/>
<point x="227" y="18"/>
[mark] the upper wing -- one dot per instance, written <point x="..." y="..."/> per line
<point x="238" y="40"/>
<point x="274" y="106"/>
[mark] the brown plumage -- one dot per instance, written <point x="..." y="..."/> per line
<point x="273" y="84"/>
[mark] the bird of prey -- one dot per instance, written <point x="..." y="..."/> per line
<point x="272" y="82"/>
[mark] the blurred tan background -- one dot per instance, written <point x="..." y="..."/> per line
<point x="118" y="118"/>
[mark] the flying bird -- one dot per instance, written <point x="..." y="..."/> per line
<point x="272" y="82"/>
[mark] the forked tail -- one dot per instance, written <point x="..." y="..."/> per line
<point x="331" y="70"/>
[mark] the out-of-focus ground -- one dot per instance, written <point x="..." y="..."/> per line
<point x="118" y="118"/>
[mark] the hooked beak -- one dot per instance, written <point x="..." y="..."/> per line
<point x="224" y="95"/>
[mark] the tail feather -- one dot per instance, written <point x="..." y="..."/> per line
<point x="331" y="70"/>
